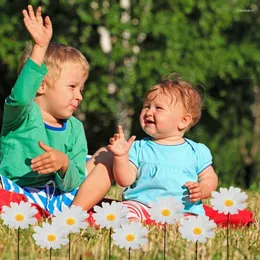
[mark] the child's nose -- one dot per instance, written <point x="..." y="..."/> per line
<point x="79" y="96"/>
<point x="149" y="112"/>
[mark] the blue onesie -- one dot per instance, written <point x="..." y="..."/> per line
<point x="164" y="169"/>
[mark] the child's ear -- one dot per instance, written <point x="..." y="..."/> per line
<point x="185" y="121"/>
<point x="41" y="90"/>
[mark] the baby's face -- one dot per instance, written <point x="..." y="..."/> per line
<point x="161" y="116"/>
<point x="66" y="94"/>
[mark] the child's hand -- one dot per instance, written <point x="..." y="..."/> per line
<point x="51" y="161"/>
<point x="195" y="190"/>
<point x="41" y="33"/>
<point x="118" y="144"/>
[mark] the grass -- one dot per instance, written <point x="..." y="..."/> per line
<point x="93" y="244"/>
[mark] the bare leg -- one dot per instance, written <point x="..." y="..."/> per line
<point x="98" y="181"/>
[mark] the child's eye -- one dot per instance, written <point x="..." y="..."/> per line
<point x="159" y="108"/>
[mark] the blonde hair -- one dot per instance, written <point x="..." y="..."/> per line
<point x="57" y="55"/>
<point x="179" y="89"/>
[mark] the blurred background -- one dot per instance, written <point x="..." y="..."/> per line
<point x="132" y="44"/>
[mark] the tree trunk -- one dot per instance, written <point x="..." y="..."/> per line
<point x="249" y="155"/>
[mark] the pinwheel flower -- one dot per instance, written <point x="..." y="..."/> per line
<point x="71" y="220"/>
<point x="197" y="228"/>
<point x="19" y="215"/>
<point x="166" y="210"/>
<point x="50" y="236"/>
<point x="228" y="201"/>
<point x="110" y="215"/>
<point x="130" y="235"/>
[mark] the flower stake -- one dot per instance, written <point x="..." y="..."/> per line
<point x="166" y="210"/>
<point x="70" y="220"/>
<point x="130" y="235"/>
<point x="228" y="201"/>
<point x="197" y="229"/>
<point x="19" y="216"/>
<point x="110" y="216"/>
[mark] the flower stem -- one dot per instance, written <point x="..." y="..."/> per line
<point x="164" y="242"/>
<point x="69" y="246"/>
<point x="227" y="236"/>
<point x="129" y="253"/>
<point x="50" y="253"/>
<point x="196" y="250"/>
<point x="109" y="246"/>
<point x="18" y="243"/>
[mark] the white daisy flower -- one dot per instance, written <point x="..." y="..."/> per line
<point x="130" y="235"/>
<point x="228" y="201"/>
<point x="50" y="236"/>
<point x="110" y="215"/>
<point x="166" y="210"/>
<point x="197" y="228"/>
<point x="71" y="220"/>
<point x="19" y="215"/>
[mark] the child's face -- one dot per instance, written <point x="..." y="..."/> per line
<point x="161" y="117"/>
<point x="64" y="97"/>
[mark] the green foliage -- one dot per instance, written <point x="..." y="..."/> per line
<point x="212" y="43"/>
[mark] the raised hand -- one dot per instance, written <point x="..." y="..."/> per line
<point x="119" y="146"/>
<point x="50" y="161"/>
<point x="41" y="31"/>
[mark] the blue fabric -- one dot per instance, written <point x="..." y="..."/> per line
<point x="164" y="169"/>
<point x="49" y="197"/>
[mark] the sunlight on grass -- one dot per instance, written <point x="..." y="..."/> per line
<point x="93" y="244"/>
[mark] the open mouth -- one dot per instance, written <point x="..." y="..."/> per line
<point x="148" y="122"/>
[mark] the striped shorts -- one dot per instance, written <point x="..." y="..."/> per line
<point x="48" y="197"/>
<point x="137" y="210"/>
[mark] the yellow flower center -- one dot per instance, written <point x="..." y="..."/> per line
<point x="111" y="217"/>
<point x="70" y="221"/>
<point x="197" y="231"/>
<point x="130" y="237"/>
<point x="19" y="217"/>
<point x="166" y="212"/>
<point x="51" y="237"/>
<point x="229" y="203"/>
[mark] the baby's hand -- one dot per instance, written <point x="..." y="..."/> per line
<point x="195" y="190"/>
<point x="51" y="161"/>
<point x="40" y="32"/>
<point x="118" y="144"/>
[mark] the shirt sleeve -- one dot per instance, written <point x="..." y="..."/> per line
<point x="75" y="173"/>
<point x="133" y="153"/>
<point x="204" y="157"/>
<point x="18" y="104"/>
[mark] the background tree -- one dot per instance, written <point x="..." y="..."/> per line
<point x="131" y="44"/>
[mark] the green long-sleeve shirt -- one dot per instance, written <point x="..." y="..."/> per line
<point x="23" y="127"/>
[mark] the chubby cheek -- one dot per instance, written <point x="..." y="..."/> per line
<point x="141" y="119"/>
<point x="68" y="95"/>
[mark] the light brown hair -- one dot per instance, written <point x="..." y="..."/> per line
<point x="179" y="89"/>
<point x="56" y="57"/>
